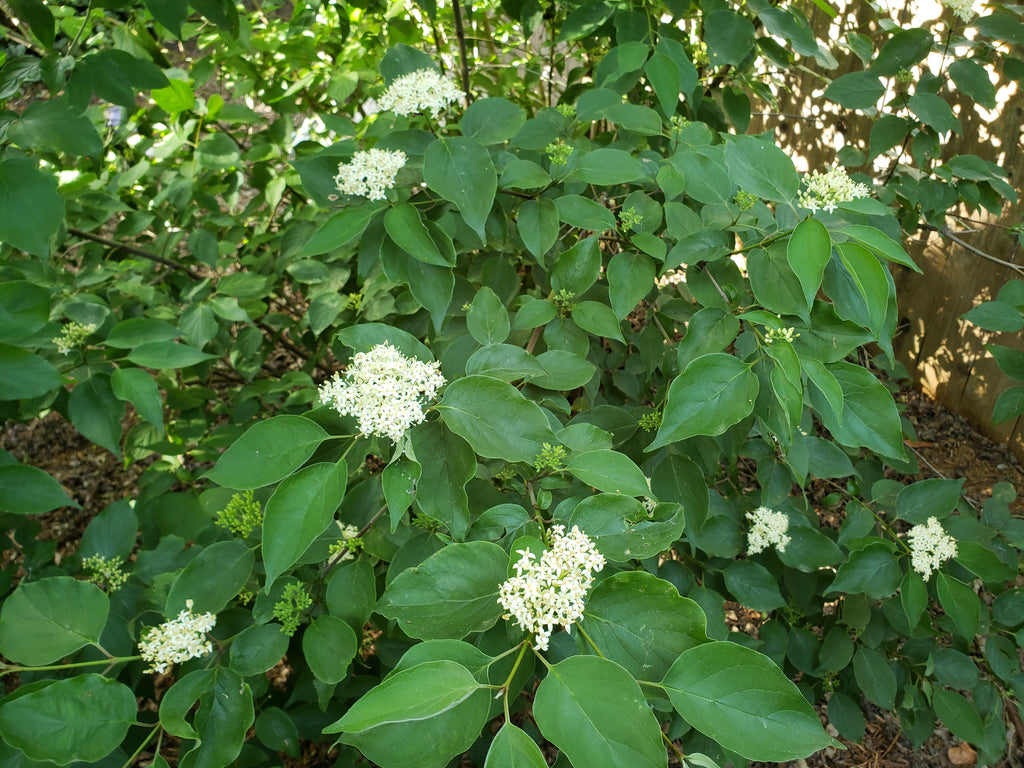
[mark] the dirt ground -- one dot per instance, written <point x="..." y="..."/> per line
<point x="947" y="446"/>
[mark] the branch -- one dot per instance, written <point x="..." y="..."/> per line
<point x="947" y="233"/>
<point x="460" y="35"/>
<point x="134" y="250"/>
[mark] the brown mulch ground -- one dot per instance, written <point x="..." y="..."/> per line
<point x="947" y="446"/>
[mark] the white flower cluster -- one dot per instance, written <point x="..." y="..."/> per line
<point x="825" y="191"/>
<point x="420" y="91"/>
<point x="930" y="547"/>
<point x="384" y="389"/>
<point x="72" y="336"/>
<point x="769" y="527"/>
<point x="551" y="592"/>
<point x="370" y="172"/>
<point x="964" y="9"/>
<point x="177" y="640"/>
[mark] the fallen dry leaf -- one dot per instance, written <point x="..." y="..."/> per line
<point x="962" y="754"/>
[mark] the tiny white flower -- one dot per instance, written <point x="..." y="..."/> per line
<point x="384" y="390"/>
<point x="769" y="528"/>
<point x="420" y="91"/>
<point x="369" y="173"/>
<point x="930" y="547"/>
<point x="177" y="640"/>
<point x="964" y="9"/>
<point x="826" y="191"/>
<point x="551" y="592"/>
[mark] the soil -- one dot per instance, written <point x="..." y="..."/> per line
<point x="946" y="446"/>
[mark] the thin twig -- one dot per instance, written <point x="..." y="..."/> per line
<point x="461" y="37"/>
<point x="134" y="250"/>
<point x="362" y="531"/>
<point x="946" y="232"/>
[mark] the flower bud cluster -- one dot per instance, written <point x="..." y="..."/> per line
<point x="930" y="547"/>
<point x="370" y="172"/>
<point x="769" y="528"/>
<point x="826" y="191"/>
<point x="105" y="571"/>
<point x="424" y="90"/>
<point x="551" y="592"/>
<point x="780" y="334"/>
<point x="384" y="390"/>
<point x="179" y="639"/>
<point x="72" y="336"/>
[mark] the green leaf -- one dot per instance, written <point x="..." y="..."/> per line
<point x="761" y="168"/>
<point x="809" y="250"/>
<point x="641" y="622"/>
<point x="869" y="279"/>
<point x="1009" y="360"/>
<point x="1009" y="405"/>
<point x="594" y="711"/>
<point x="338" y="230"/>
<point x="538" y="225"/>
<point x="112" y="533"/>
<point x="352" y="592"/>
<point x="258" y="648"/>
<point x="753" y="586"/>
<point x="97" y="413"/>
<point x="869" y="416"/>
<point x="729" y="37"/>
<point x="446" y="464"/>
<point x="487" y="319"/>
<point x="495" y="419"/>
<point x="523" y="174"/>
<point x="598" y="319"/>
<point x="928" y="498"/>
<point x="433" y="703"/>
<point x="584" y="20"/>
<point x="31" y="208"/>
<point x="406" y="228"/>
<point x="450" y="594"/>
<point x="972" y="78"/>
<point x="584" y="213"/>
<point x="960" y="603"/>
<point x="563" y="370"/>
<point x="180" y="697"/>
<point x="460" y="170"/>
<point x="709" y="330"/>
<point x="171" y="13"/>
<point x="713" y="393"/>
<point x="131" y="333"/>
<point x="55" y="126"/>
<point x="630" y="279"/>
<point x="875" y="677"/>
<point x="492" y="121"/>
<point x="608" y="167"/>
<point x="162" y="355"/>
<point x="888" y="132"/>
<point x="366" y="336"/>
<point x="212" y="578"/>
<point x="933" y="111"/>
<point x="996" y="316"/>
<point x="176" y="98"/>
<point x="959" y="715"/>
<point x="609" y="471"/>
<point x="399" y="480"/>
<point x="26" y="490"/>
<point x="506" y="362"/>
<point x="743" y="701"/>
<point x="267" y="452"/>
<point x="622" y="529"/>
<point x="301" y="508"/>
<point x="429" y="284"/>
<point x="329" y="644"/>
<point x="224" y="716"/>
<point x="872" y="571"/>
<point x="856" y="90"/>
<point x="880" y="244"/>
<point x="578" y="268"/>
<point x="902" y="51"/>
<point x="38" y="17"/>
<point x="93" y="714"/>
<point x="24" y="309"/>
<point x="913" y="596"/>
<point x="138" y="388"/>
<point x="512" y="748"/>
<point x="44" y="621"/>
<point x="826" y="382"/>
